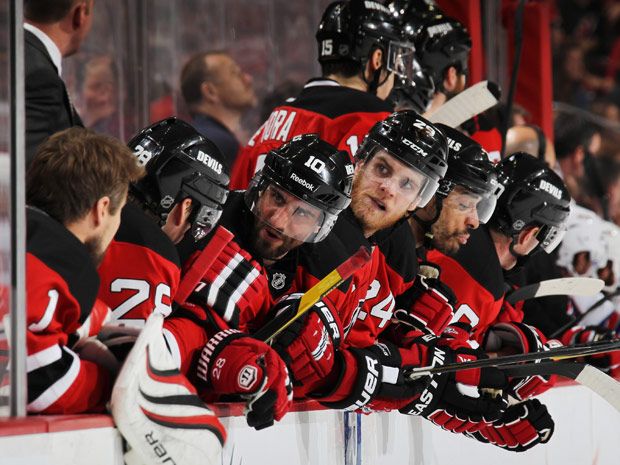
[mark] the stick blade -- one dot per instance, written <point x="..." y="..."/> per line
<point x="560" y="286"/>
<point x="601" y="383"/>
<point x="467" y="104"/>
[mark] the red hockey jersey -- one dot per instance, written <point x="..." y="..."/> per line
<point x="477" y="279"/>
<point x="339" y="115"/>
<point x="140" y="272"/>
<point x="61" y="290"/>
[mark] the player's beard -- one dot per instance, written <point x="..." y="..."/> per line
<point x="96" y="250"/>
<point x="271" y="249"/>
<point x="367" y="214"/>
<point x="447" y="242"/>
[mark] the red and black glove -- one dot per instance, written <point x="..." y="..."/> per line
<point x="520" y="428"/>
<point x="308" y="345"/>
<point x="233" y="363"/>
<point x="521" y="338"/>
<point x="608" y="362"/>
<point x="468" y="399"/>
<point x="428" y="305"/>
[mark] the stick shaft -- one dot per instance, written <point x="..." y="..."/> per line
<point x="558" y="353"/>
<point x="314" y="294"/>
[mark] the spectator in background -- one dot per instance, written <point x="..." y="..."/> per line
<point x="54" y="29"/>
<point x="75" y="188"/>
<point x="217" y="93"/>
<point x="100" y="96"/>
<point x="530" y="138"/>
<point x="575" y="140"/>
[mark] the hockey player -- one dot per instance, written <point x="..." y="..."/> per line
<point x="400" y="165"/>
<point x="294" y="200"/>
<point x="360" y="51"/>
<point x="76" y="187"/>
<point x="184" y="189"/>
<point x="531" y="214"/>
<point x="466" y="195"/>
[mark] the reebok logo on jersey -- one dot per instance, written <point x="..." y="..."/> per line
<point x="303" y="182"/>
<point x="210" y="162"/>
<point x="414" y="147"/>
<point x="247" y="377"/>
<point x="439" y="29"/>
<point x="550" y="188"/>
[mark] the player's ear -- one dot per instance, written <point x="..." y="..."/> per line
<point x="101" y="210"/>
<point x="527" y="235"/>
<point x="183" y="212"/>
<point x="451" y="78"/>
<point x="375" y="62"/>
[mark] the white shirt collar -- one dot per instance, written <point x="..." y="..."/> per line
<point x="51" y="47"/>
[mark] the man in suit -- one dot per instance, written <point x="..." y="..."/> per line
<point x="53" y="29"/>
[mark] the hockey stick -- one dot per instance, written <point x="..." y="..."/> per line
<point x="467" y="104"/>
<point x="597" y="381"/>
<point x="575" y="320"/>
<point x="221" y="237"/>
<point x="314" y="294"/>
<point x="560" y="286"/>
<point x="587" y="375"/>
<point x="510" y="361"/>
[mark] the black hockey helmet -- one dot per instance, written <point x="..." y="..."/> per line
<point x="534" y="195"/>
<point x="441" y="42"/>
<point x="417" y="92"/>
<point x="414" y="141"/>
<point x="469" y="166"/>
<point x="351" y="30"/>
<point x="180" y="163"/>
<point x="314" y="173"/>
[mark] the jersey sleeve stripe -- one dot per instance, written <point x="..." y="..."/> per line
<point x="70" y="362"/>
<point x="43" y="358"/>
<point x="48" y="314"/>
<point x="221" y="279"/>
<point x="238" y="293"/>
<point x="173" y="347"/>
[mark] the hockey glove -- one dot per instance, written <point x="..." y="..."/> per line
<point x="431" y="305"/>
<point x="520" y="428"/>
<point x="609" y="362"/>
<point x="308" y="344"/>
<point x="461" y="401"/>
<point x="233" y="363"/>
<point x="521" y="338"/>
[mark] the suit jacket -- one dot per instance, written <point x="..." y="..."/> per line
<point x="48" y="109"/>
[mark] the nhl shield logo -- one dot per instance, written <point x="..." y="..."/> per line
<point x="167" y="202"/>
<point x="278" y="280"/>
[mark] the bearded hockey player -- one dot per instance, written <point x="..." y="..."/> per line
<point x="425" y="307"/>
<point x="184" y="189"/>
<point x="360" y="52"/>
<point x="294" y="200"/>
<point x="76" y="187"/>
<point x="530" y="215"/>
<point x="400" y="165"/>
